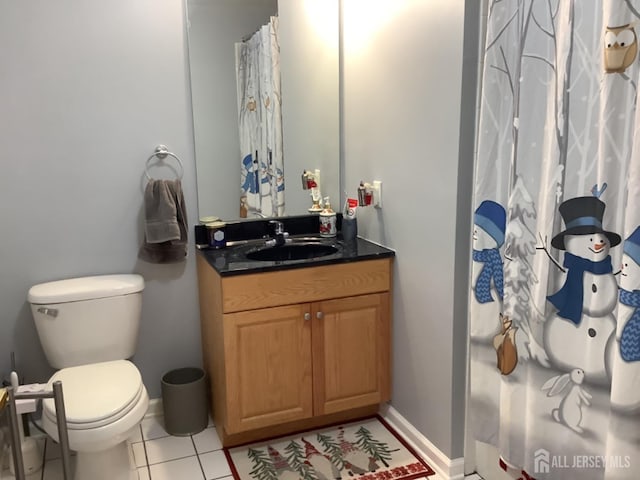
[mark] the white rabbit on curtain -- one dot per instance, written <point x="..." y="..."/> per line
<point x="260" y="122"/>
<point x="556" y="261"/>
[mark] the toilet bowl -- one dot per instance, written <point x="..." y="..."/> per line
<point x="104" y="404"/>
<point x="88" y="329"/>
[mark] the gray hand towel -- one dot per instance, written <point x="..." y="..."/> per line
<point x="165" y="222"/>
<point x="160" y="211"/>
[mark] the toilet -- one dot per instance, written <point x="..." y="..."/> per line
<point x="88" y="328"/>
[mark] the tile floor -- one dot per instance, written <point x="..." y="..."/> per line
<point x="160" y="456"/>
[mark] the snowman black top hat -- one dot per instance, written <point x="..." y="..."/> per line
<point x="582" y="216"/>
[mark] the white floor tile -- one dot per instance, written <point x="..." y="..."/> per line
<point x="139" y="457"/>
<point x="153" y="427"/>
<point x="183" y="469"/>
<point x="207" y="440"/>
<point x="169" y="448"/>
<point x="168" y="457"/>
<point x="215" y="465"/>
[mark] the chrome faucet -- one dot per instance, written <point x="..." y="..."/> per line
<point x="280" y="236"/>
<point x="278" y="226"/>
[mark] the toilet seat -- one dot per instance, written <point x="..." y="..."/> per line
<point x="96" y="394"/>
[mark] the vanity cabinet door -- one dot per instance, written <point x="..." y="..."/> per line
<point x="351" y="352"/>
<point x="268" y="367"/>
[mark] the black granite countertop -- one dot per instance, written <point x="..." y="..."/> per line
<point x="232" y="260"/>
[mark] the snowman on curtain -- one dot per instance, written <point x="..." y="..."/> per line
<point x="576" y="336"/>
<point x="624" y="349"/>
<point x="488" y="278"/>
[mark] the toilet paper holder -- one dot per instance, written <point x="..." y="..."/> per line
<point x="61" y="419"/>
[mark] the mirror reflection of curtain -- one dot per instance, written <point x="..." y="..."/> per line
<point x="260" y="122"/>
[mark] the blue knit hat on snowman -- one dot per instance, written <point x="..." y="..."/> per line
<point x="632" y="246"/>
<point x="492" y="218"/>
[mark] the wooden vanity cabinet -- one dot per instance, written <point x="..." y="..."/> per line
<point x="268" y="367"/>
<point x="351" y="347"/>
<point x="294" y="349"/>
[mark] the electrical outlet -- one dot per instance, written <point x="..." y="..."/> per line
<point x="377" y="193"/>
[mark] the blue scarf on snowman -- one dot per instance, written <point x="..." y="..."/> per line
<point x="492" y="268"/>
<point x="630" y="339"/>
<point x="569" y="299"/>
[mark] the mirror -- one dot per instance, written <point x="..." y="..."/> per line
<point x="309" y="64"/>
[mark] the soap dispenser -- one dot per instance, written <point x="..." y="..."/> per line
<point x="328" y="226"/>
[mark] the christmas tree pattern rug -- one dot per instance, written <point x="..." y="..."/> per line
<point x="367" y="449"/>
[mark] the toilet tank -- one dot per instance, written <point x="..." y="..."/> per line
<point x="89" y="319"/>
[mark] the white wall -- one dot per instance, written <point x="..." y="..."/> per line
<point x="87" y="90"/>
<point x="403" y="90"/>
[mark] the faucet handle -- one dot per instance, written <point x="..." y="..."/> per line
<point x="278" y="226"/>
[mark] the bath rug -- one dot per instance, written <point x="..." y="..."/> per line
<point x="367" y="449"/>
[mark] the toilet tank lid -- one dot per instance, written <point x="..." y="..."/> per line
<point x="85" y="288"/>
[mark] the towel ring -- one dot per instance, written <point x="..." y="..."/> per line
<point x="163" y="152"/>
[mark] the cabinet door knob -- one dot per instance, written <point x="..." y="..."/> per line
<point x="319" y="315"/>
<point x="307" y="316"/>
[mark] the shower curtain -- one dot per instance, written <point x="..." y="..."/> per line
<point x="260" y="121"/>
<point x="554" y="374"/>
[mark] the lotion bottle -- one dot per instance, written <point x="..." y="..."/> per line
<point x="328" y="226"/>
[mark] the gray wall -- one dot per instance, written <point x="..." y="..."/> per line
<point x="404" y="126"/>
<point x="87" y="90"/>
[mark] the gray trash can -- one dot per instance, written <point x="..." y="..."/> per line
<point x="184" y="401"/>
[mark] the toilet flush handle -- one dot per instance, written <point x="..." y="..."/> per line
<point x="52" y="312"/>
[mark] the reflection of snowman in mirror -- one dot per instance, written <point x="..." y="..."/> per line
<point x="488" y="284"/>
<point x="279" y="180"/>
<point x="576" y="335"/>
<point x="624" y="349"/>
<point x="249" y="175"/>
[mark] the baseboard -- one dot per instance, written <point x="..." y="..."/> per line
<point x="155" y="408"/>
<point x="445" y="467"/>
